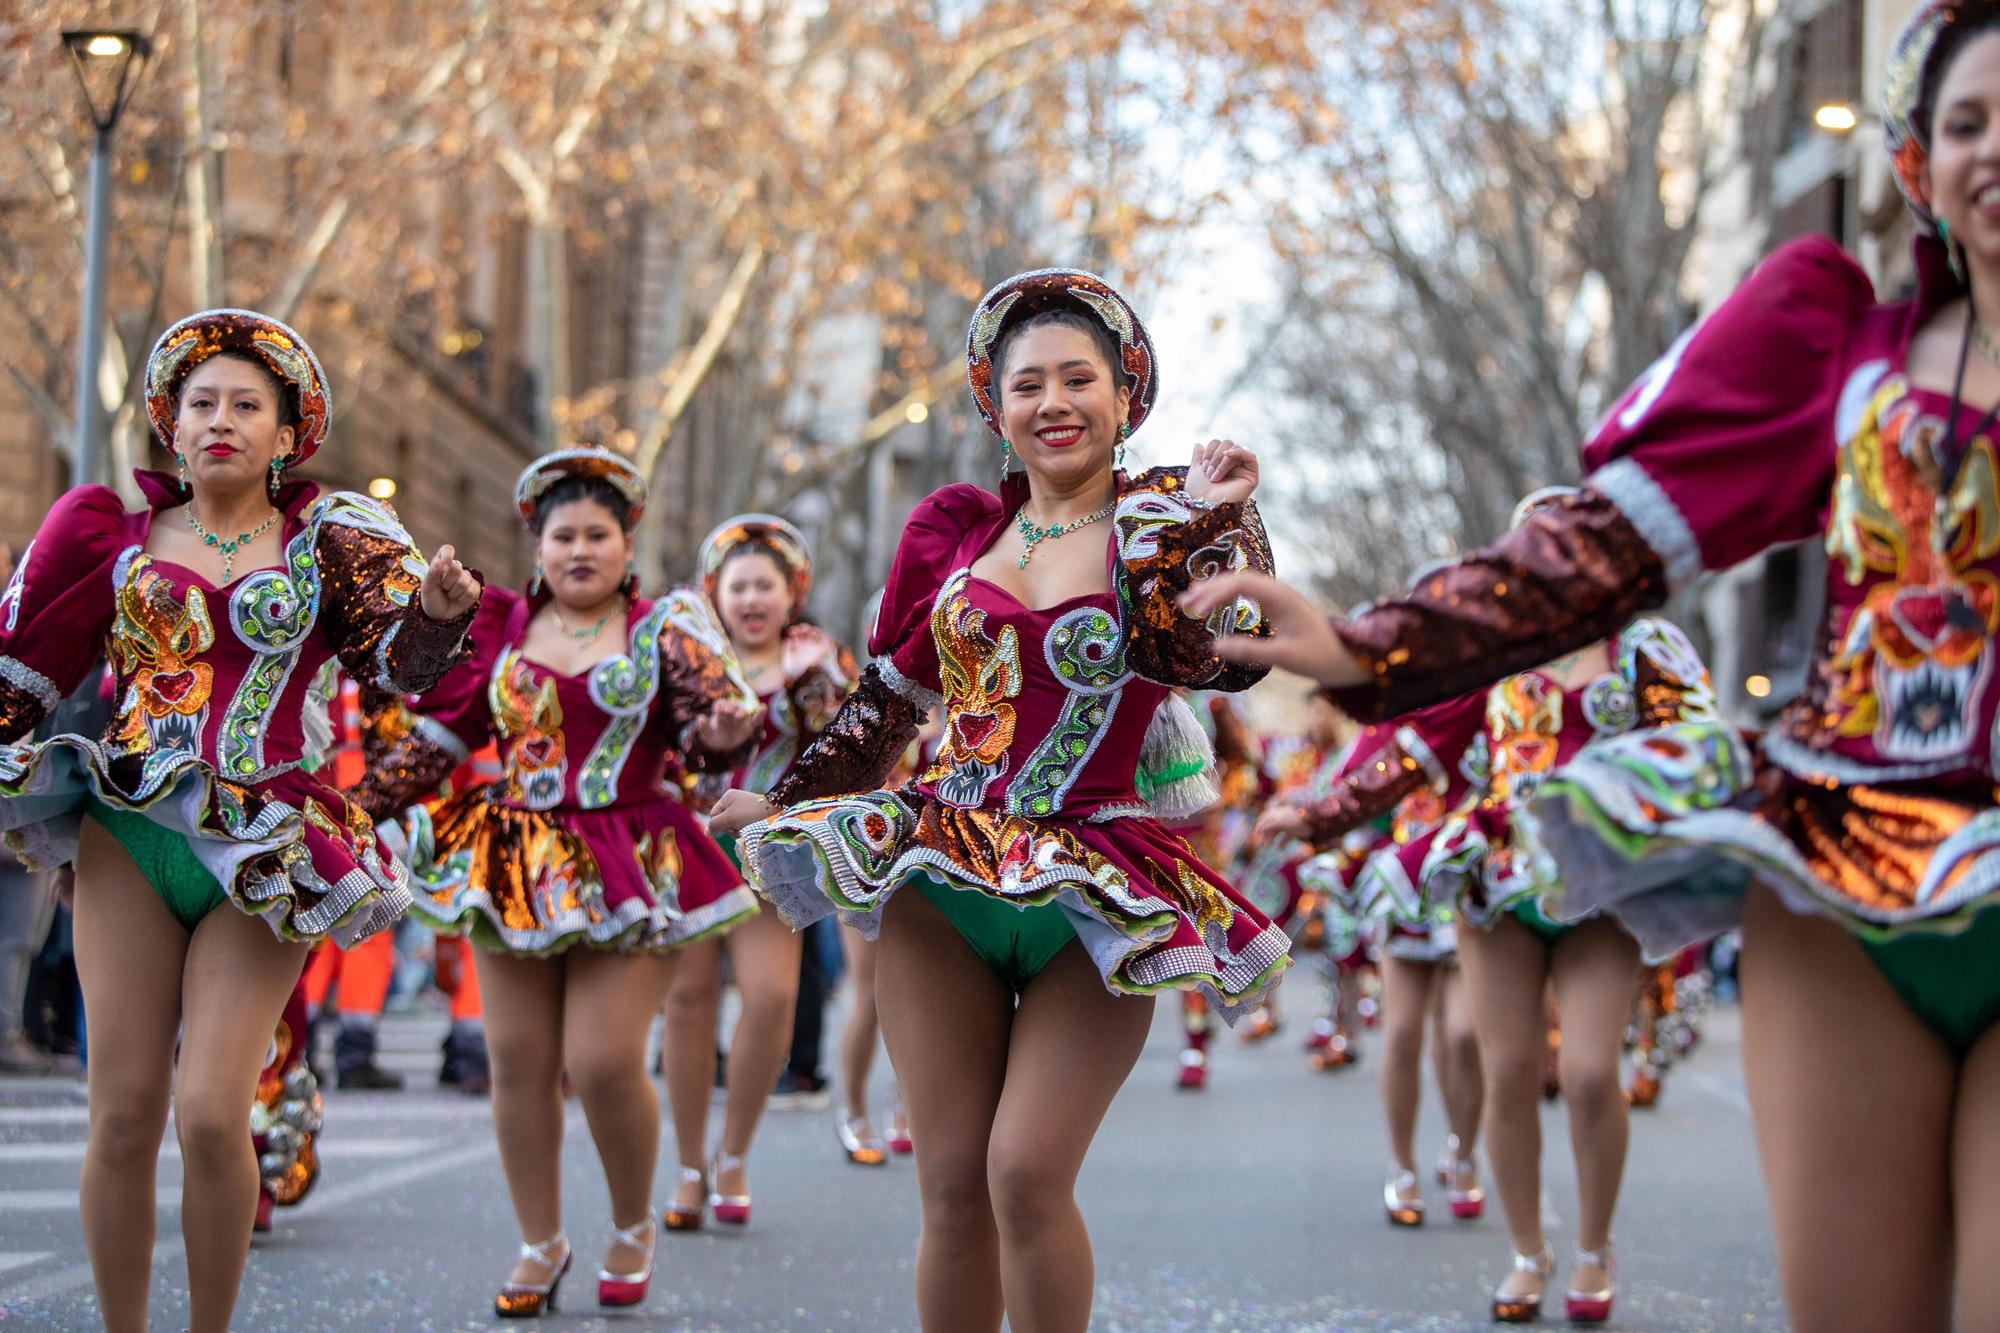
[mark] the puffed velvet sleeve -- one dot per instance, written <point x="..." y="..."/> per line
<point x="370" y="574"/>
<point x="698" y="670"/>
<point x="58" y="607"/>
<point x="411" y="745"/>
<point x="1169" y="541"/>
<point x="1392" y="760"/>
<point x="1727" y="447"/>
<point x="901" y="686"/>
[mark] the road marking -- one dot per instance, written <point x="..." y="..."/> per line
<point x="22" y="1258"/>
<point x="333" y="1148"/>
<point x="327" y="1200"/>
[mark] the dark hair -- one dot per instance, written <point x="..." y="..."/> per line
<point x="1066" y="317"/>
<point x="758" y="546"/>
<point x="288" y="401"/>
<point x="582" y="488"/>
<point x="1951" y="44"/>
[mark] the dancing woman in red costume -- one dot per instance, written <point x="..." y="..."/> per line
<point x="1801" y="409"/>
<point x="1028" y="897"/>
<point x="208" y="855"/>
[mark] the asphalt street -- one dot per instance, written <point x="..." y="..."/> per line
<point x="1252" y="1206"/>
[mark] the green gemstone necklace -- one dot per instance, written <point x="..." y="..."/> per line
<point x="232" y="546"/>
<point x="1033" y="535"/>
<point x="583" y="635"/>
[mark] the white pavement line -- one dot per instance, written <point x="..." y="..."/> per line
<point x="45" y="1115"/>
<point x="1726" y="1090"/>
<point x="332" y="1147"/>
<point x="10" y="1259"/>
<point x="385" y="1181"/>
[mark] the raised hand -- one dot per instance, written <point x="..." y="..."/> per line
<point x="727" y="725"/>
<point x="1222" y="471"/>
<point x="807" y="647"/>
<point x="1301" y="638"/>
<point x="449" y="589"/>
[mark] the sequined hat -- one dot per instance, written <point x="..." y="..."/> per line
<point x="1903" y="87"/>
<point x="1028" y="294"/>
<point x="271" y="343"/>
<point x="580" y="460"/>
<point x="775" y="532"/>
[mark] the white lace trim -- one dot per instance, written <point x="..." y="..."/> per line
<point x="1626" y="484"/>
<point x="924" y="699"/>
<point x="1414" y="746"/>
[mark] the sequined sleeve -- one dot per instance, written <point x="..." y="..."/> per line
<point x="1167" y="542"/>
<point x="1572" y="575"/>
<point x="698" y="670"/>
<point x="370" y="575"/>
<point x="1724" y="448"/>
<point x="858" y="748"/>
<point x="1419" y="751"/>
<point x="58" y="607"/>
<point x="406" y="757"/>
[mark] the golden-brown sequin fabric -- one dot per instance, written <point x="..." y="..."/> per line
<point x="1873" y="845"/>
<point x="1572" y="574"/>
<point x="857" y="749"/>
<point x="1167" y="543"/>
<point x="370" y="587"/>
<point x="1377" y="788"/>
<point x="402" y="761"/>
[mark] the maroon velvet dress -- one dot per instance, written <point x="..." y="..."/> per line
<point x="1054" y="717"/>
<point x="220" y="709"/>
<point x="582" y="841"/>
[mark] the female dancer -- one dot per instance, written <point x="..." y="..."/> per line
<point x="756" y="571"/>
<point x="221" y="603"/>
<point x="1803" y="407"/>
<point x="1408" y="773"/>
<point x="1033" y="900"/>
<point x="577" y="873"/>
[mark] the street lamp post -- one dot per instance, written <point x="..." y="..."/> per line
<point x="104" y="59"/>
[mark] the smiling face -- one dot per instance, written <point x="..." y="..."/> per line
<point x="1059" y="404"/>
<point x="230" y="425"/>
<point x="583" y="550"/>
<point x="1965" y="148"/>
<point x="754" y="599"/>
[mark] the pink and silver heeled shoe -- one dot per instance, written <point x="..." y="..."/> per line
<point x="1402" y="1212"/>
<point x="859" y="1142"/>
<point x="522" y="1300"/>
<point x="732" y="1209"/>
<point x="1467" y="1204"/>
<point x="900" y="1141"/>
<point x="1509" y="1309"/>
<point x="621" y="1289"/>
<point x="1592" y="1307"/>
<point x="678" y="1218"/>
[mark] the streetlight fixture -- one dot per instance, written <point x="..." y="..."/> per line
<point x="1837" y="118"/>
<point x="108" y="63"/>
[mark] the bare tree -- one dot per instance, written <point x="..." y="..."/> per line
<point x="1483" y="241"/>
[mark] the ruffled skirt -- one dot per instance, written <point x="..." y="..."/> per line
<point x="640" y="877"/>
<point x="1667" y="841"/>
<point x="289" y="849"/>
<point x="1150" y="914"/>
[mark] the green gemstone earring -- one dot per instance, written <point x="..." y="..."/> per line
<point x="181" y="464"/>
<point x="535" y="583"/>
<point x="1006" y="460"/>
<point x="277" y="476"/>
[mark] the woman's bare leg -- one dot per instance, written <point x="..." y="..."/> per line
<point x="1460" y="1081"/>
<point x="1073" y="1044"/>
<point x="694" y="999"/>
<point x="1975" y="1182"/>
<point x="609" y="1000"/>
<point x="1596" y="969"/>
<point x="1505" y="974"/>
<point x="857" y="1037"/>
<point x="238" y="976"/>
<point x="129" y="957"/>
<point x="524" y="1030"/>
<point x="764" y="954"/>
<point x="946" y="1019"/>
<point x="1856" y="1159"/>
<point x="1406" y="1008"/>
